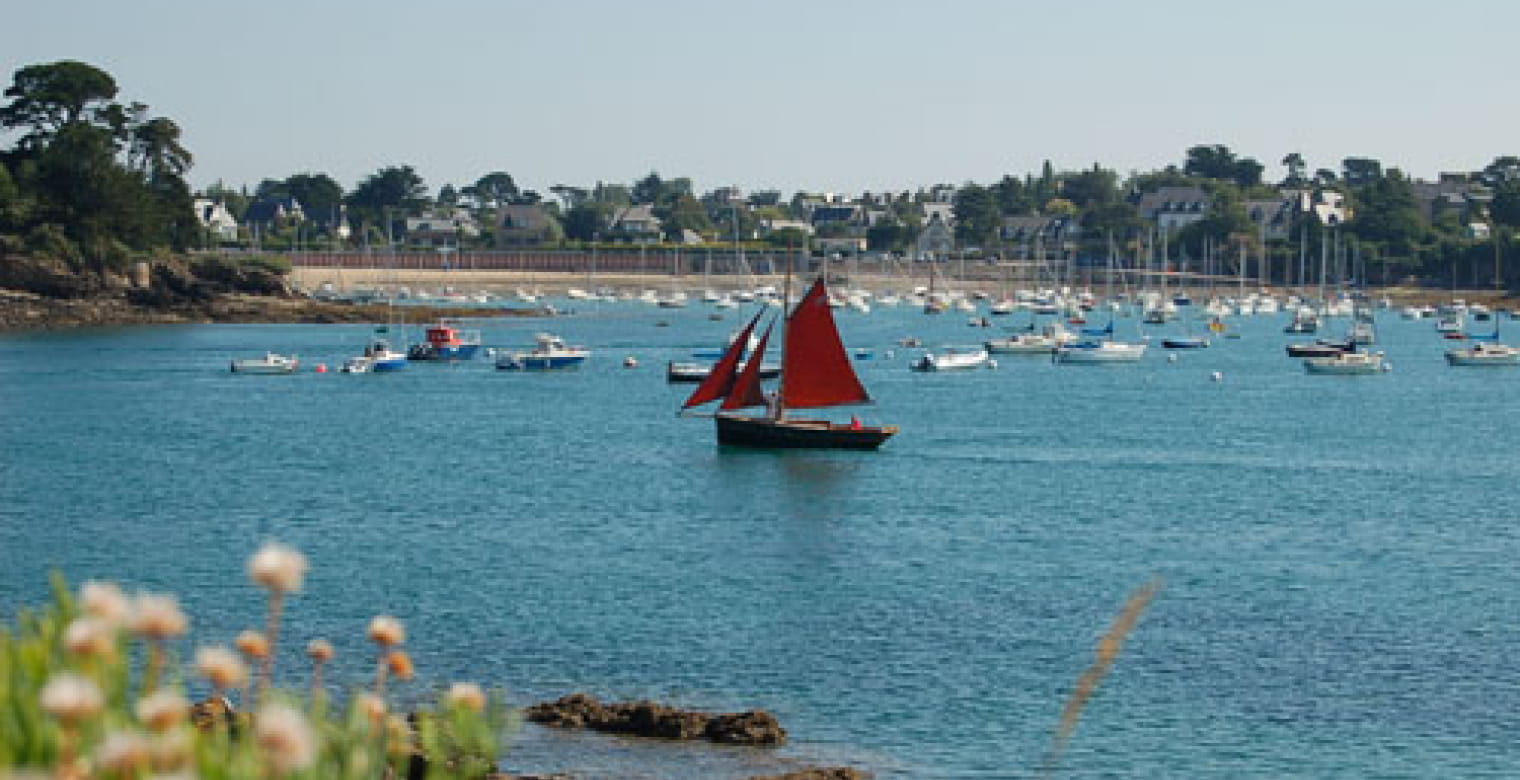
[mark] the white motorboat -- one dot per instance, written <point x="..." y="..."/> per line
<point x="270" y="363"/>
<point x="378" y="356"/>
<point x="1052" y="336"/>
<point x="1484" y="354"/>
<point x="952" y="359"/>
<point x="1100" y="352"/>
<point x="548" y="353"/>
<point x="678" y="371"/>
<point x="1347" y="363"/>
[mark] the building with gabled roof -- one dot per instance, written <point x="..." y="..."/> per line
<point x="1174" y="208"/>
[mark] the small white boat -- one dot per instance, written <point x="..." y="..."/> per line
<point x="677" y="371"/>
<point x="378" y="356"/>
<point x="1484" y="354"/>
<point x="1100" y="352"/>
<point x="549" y="353"/>
<point x="270" y="363"/>
<point x="952" y="359"/>
<point x="1347" y="363"/>
<point x="1052" y="336"/>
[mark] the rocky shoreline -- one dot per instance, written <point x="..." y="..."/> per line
<point x="29" y="311"/>
<point x="38" y="293"/>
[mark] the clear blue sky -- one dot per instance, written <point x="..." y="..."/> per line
<point x="817" y="95"/>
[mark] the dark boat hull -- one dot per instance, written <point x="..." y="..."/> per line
<point x="1318" y="349"/>
<point x="799" y="434"/>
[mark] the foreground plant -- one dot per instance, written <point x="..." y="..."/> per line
<point x="88" y="689"/>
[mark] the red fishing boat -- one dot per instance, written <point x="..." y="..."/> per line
<point x="446" y="342"/>
<point x="815" y="373"/>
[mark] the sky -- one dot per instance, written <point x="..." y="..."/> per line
<point x="840" y="96"/>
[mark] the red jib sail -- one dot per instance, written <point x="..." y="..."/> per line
<point x="746" y="390"/>
<point x="815" y="370"/>
<point x="721" y="379"/>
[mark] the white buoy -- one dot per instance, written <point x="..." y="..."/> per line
<point x="630" y="362"/>
<point x="1171" y="357"/>
<point x="1217" y="376"/>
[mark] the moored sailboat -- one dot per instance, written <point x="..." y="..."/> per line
<point x="815" y="373"/>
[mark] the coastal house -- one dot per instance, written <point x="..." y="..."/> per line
<point x="1328" y="206"/>
<point x="1451" y="193"/>
<point x="217" y="221"/>
<point x="937" y="210"/>
<point x="724" y="197"/>
<point x="636" y="223"/>
<point x="942" y="193"/>
<point x="524" y="225"/>
<point x="441" y="229"/>
<point x="1028" y="231"/>
<point x="1174" y="208"/>
<point x="935" y="240"/>
<point x="1273" y="217"/>
<point x="773" y="225"/>
<point x="840" y="246"/>
<point x="847" y="214"/>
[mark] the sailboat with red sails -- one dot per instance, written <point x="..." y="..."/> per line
<point x="815" y="373"/>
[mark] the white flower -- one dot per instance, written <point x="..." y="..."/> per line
<point x="277" y="567"/>
<point x="252" y="643"/>
<point x="221" y="666"/>
<point x="162" y="710"/>
<point x="90" y="636"/>
<point x="319" y="650"/>
<point x="172" y="750"/>
<point x="386" y="630"/>
<point x="70" y="698"/>
<point x="157" y="616"/>
<point x="467" y="695"/>
<point x="371" y="705"/>
<point x="286" y="737"/>
<point x="104" y="600"/>
<point x="123" y="752"/>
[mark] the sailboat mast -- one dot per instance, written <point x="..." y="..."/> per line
<point x="786" y="316"/>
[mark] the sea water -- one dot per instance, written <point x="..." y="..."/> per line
<point x="1338" y="554"/>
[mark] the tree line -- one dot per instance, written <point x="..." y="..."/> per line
<point x="96" y="181"/>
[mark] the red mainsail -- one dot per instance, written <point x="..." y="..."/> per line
<point x="746" y="390"/>
<point x="815" y="369"/>
<point x="721" y="379"/>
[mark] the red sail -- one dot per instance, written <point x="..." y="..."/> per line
<point x="746" y="390"/>
<point x="815" y="370"/>
<point x="721" y="379"/>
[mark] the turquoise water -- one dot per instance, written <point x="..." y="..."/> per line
<point x="1339" y="552"/>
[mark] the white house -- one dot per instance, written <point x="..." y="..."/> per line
<point x="637" y="223"/>
<point x="215" y="218"/>
<point x="1174" y="208"/>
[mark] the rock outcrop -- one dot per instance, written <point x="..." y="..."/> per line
<point x="820" y="773"/>
<point x="650" y="719"/>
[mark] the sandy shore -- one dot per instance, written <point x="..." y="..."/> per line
<point x="556" y="284"/>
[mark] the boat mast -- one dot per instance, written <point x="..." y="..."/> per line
<point x="786" y="315"/>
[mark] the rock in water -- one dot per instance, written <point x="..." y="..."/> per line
<point x="651" y="719"/>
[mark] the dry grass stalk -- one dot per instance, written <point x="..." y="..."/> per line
<point x="1107" y="651"/>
